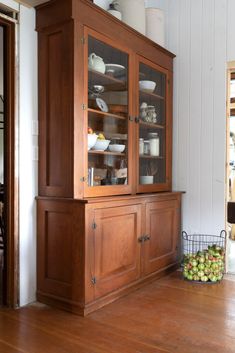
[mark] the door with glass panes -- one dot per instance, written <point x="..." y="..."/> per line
<point x="154" y="128"/>
<point x="109" y="105"/>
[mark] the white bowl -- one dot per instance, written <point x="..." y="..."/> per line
<point x="117" y="148"/>
<point x="146" y="179"/>
<point x="147" y="86"/>
<point x="91" y="140"/>
<point x="101" y="145"/>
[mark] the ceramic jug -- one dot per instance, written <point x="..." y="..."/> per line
<point x="155" y="25"/>
<point x="133" y="13"/>
<point x="96" y="63"/>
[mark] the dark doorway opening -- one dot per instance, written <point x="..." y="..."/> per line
<point x="3" y="243"/>
<point x="8" y="178"/>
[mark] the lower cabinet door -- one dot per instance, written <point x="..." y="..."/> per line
<point x="116" y="247"/>
<point x="162" y="229"/>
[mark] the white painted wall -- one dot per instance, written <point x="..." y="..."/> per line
<point x="28" y="166"/>
<point x="201" y="34"/>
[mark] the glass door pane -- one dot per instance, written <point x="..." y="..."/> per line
<point x="107" y="115"/>
<point x="152" y="126"/>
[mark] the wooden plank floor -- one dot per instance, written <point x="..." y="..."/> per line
<point x="169" y="315"/>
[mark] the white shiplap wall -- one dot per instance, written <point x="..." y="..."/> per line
<point x="201" y="34"/>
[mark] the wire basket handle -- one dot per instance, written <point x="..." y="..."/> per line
<point x="223" y="234"/>
<point x="184" y="235"/>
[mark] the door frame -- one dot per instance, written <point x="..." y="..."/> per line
<point x="11" y="265"/>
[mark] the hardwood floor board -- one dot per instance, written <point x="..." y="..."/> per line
<point x="167" y="316"/>
<point x="220" y="290"/>
<point x="36" y="339"/>
<point x="9" y="348"/>
<point x="93" y="334"/>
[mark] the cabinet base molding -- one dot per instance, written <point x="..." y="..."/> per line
<point x="84" y="310"/>
<point x="60" y="303"/>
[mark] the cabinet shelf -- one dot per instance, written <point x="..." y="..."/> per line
<point x="145" y="156"/>
<point x="107" y="153"/>
<point x="148" y="94"/>
<point x="109" y="82"/>
<point x="151" y="125"/>
<point x="99" y="114"/>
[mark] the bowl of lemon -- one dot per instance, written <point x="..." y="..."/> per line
<point x="101" y="143"/>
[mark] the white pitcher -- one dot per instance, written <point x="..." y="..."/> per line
<point x="133" y="13"/>
<point x="96" y="63"/>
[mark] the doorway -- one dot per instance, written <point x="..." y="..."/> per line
<point x="231" y="167"/>
<point x="2" y="233"/>
<point x="8" y="177"/>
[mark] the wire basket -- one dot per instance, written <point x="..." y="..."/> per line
<point x="203" y="257"/>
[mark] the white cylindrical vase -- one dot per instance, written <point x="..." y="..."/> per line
<point x="155" y="25"/>
<point x="133" y="13"/>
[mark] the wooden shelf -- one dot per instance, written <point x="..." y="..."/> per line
<point x="109" y="82"/>
<point x="151" y="125"/>
<point x="152" y="95"/>
<point x="100" y="114"/>
<point x="146" y="156"/>
<point x="107" y="153"/>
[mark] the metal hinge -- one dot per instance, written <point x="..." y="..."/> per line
<point x="93" y="280"/>
<point x="83" y="106"/>
<point x="83" y="40"/>
<point x="94" y="225"/>
<point x="83" y="179"/>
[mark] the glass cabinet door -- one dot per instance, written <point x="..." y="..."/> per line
<point x="108" y="111"/>
<point x="152" y="129"/>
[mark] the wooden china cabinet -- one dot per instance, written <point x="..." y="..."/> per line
<point x="108" y="220"/>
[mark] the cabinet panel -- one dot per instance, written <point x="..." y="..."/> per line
<point x="162" y="225"/>
<point x="60" y="249"/>
<point x="117" y="251"/>
<point x="55" y="109"/>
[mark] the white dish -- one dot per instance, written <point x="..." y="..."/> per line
<point x="117" y="148"/>
<point x="146" y="179"/>
<point x="91" y="140"/>
<point x="147" y="86"/>
<point x="102" y="105"/>
<point x="113" y="69"/>
<point x="101" y="145"/>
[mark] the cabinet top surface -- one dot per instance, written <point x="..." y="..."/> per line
<point x="75" y="11"/>
<point x="159" y="196"/>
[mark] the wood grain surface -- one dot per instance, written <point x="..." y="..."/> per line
<point x="167" y="316"/>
